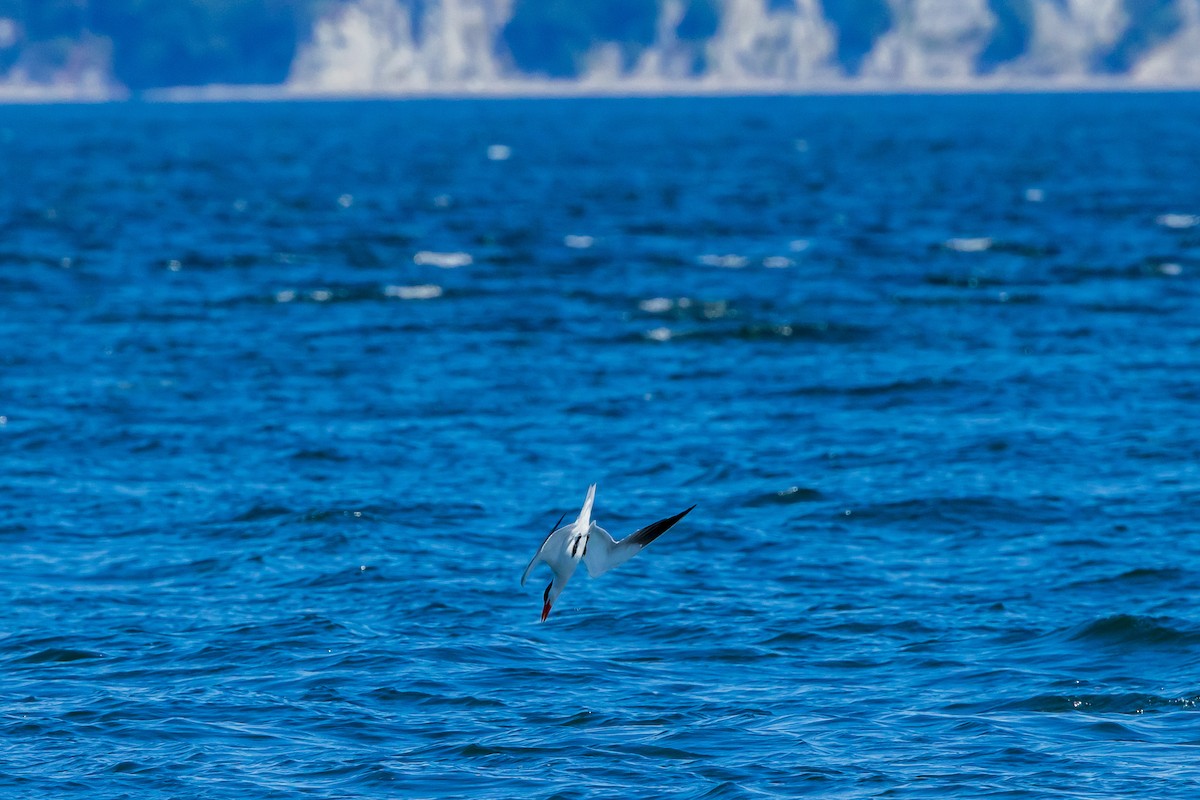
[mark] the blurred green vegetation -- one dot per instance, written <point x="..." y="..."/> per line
<point x="859" y="24"/>
<point x="553" y="37"/>
<point x="1152" y="22"/>
<point x="1014" y="29"/>
<point x="176" y="42"/>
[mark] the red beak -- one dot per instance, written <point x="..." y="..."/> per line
<point x="545" y="611"/>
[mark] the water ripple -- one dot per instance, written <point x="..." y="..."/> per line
<point x="291" y="393"/>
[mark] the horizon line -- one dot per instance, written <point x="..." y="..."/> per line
<point x="554" y="89"/>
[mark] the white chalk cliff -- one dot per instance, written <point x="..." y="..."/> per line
<point x="373" y="45"/>
<point x="368" y="47"/>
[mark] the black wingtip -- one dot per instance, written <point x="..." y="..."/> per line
<point x="654" y="530"/>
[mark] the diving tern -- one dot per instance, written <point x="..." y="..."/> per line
<point x="584" y="540"/>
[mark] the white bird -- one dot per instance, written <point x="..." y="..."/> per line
<point x="584" y="540"/>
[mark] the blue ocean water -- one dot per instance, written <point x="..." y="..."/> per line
<point x="290" y="393"/>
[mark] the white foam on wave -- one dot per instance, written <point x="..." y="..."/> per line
<point x="975" y="244"/>
<point x="424" y="291"/>
<point x="726" y="261"/>
<point x="443" y="260"/>
<point x="1178" y="221"/>
<point x="656" y="305"/>
<point x="578" y="242"/>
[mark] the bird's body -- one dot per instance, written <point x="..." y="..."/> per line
<point x="584" y="540"/>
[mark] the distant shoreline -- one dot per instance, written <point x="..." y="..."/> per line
<point x="546" y="89"/>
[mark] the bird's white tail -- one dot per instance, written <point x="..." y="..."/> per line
<point x="585" y="515"/>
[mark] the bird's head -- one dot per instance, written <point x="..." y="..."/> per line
<point x="548" y="597"/>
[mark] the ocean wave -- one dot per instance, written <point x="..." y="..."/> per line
<point x="59" y="655"/>
<point x="964" y="511"/>
<point x="788" y="496"/>
<point x="1136" y="630"/>
<point x="1098" y="703"/>
<point x="828" y="332"/>
<point x="269" y="486"/>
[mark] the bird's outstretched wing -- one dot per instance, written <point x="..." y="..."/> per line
<point x="540" y="551"/>
<point x="603" y="553"/>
